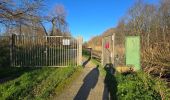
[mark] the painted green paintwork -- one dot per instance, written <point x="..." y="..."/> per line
<point x="133" y="51"/>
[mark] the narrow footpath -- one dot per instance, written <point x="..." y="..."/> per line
<point x="88" y="86"/>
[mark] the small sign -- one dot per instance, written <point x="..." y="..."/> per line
<point x="66" y="42"/>
<point x="107" y="45"/>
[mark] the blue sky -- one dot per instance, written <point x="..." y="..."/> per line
<point x="88" y="18"/>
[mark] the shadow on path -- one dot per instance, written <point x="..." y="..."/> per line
<point x="110" y="88"/>
<point x="90" y="82"/>
<point x="84" y="63"/>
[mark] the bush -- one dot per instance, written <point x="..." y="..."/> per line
<point x="138" y="86"/>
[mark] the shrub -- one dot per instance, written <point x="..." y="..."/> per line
<point x="138" y="86"/>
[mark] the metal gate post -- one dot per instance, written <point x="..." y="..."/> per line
<point x="79" y="56"/>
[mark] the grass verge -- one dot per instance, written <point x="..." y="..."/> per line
<point x="38" y="84"/>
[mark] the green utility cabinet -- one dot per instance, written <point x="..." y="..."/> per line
<point x="133" y="51"/>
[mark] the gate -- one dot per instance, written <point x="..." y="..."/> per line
<point x="108" y="50"/>
<point x="49" y="51"/>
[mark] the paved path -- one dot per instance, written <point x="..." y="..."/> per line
<point x="88" y="86"/>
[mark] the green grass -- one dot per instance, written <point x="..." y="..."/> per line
<point x="37" y="84"/>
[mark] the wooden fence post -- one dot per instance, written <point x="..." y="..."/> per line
<point x="79" y="58"/>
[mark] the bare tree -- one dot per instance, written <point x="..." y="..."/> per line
<point x="20" y="13"/>
<point x="57" y="18"/>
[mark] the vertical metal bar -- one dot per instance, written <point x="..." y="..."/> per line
<point x="73" y="50"/>
<point x="30" y="51"/>
<point x="46" y="48"/>
<point x="17" y="50"/>
<point x="77" y="53"/>
<point x="38" y="55"/>
<point x="65" y="59"/>
<point x="18" y="63"/>
<point x="11" y="49"/>
<point x="56" y="51"/>
<point x="27" y="51"/>
<point x="35" y="50"/>
<point x="23" y="51"/>
<point x="77" y="49"/>
<point x="51" y="43"/>
<point x="64" y="54"/>
<point x="53" y="51"/>
<point x="60" y="50"/>
<point x="16" y="56"/>
<point x="33" y="54"/>
<point x="50" y="51"/>
<point x="67" y="52"/>
<point x="41" y="51"/>
<point x="21" y="59"/>
<point x="38" y="47"/>
<point x="20" y="54"/>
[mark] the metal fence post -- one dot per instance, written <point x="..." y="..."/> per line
<point x="79" y="58"/>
